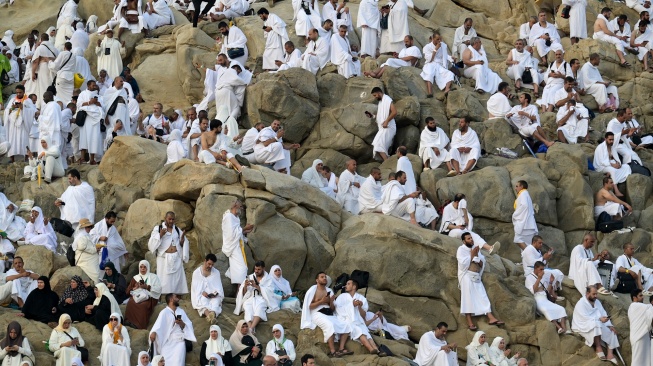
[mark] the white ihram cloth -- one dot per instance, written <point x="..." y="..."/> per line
<point x="176" y="149"/>
<point x="370" y="16"/>
<point x="393" y="191"/>
<point x="530" y="255"/>
<point x="613" y="26"/>
<point x="403" y="164"/>
<point x="425" y="212"/>
<point x="537" y="31"/>
<point x="64" y="33"/>
<point x="90" y="137"/>
<point x="553" y="85"/>
<point x="11" y="224"/>
<point x="294" y="59"/>
<point x="233" y="246"/>
<point x="111" y="63"/>
<point x="524" y="124"/>
<point x="86" y="255"/>
<point x="329" y="12"/>
<point x="227" y="81"/>
<point x="115" y="246"/>
<point x="347" y="313"/>
<point x="274" y="41"/>
<point x="80" y="203"/>
<point x="602" y="160"/>
<point x="383" y="138"/>
<point x="591" y="80"/>
<point x="640" y="316"/>
<point x="209" y="89"/>
<point x="80" y="38"/>
<point x="235" y="39"/>
<point x="68" y="11"/>
<point x="459" y="37"/>
<point x="64" y="66"/>
<point x="21" y="287"/>
<point x="622" y="142"/>
<point x="405" y="52"/>
<point x="473" y="298"/>
<point x="370" y="196"/>
<point x="575" y="127"/>
<point x="498" y="105"/>
<point x="392" y="39"/>
<point x="486" y="79"/>
<point x="274" y="153"/>
<point x="638" y="6"/>
<point x="348" y="194"/>
<point x="45" y="77"/>
<point x="550" y="310"/>
<point x="456" y="216"/>
<point x="396" y="331"/>
<point x="430" y="139"/>
<point x="646" y="140"/>
<point x="210" y="284"/>
<point x="515" y="72"/>
<point x="255" y="303"/>
<point x="18" y="123"/>
<point x="50" y="124"/>
<point x="577" y="21"/>
<point x="633" y="265"/>
<point x="170" y="337"/>
<point x="38" y="233"/>
<point x="430" y="352"/>
<point x="314" y="178"/>
<point x="586" y="323"/>
<point x="304" y="22"/>
<point x="170" y="266"/>
<point x="316" y="55"/>
<point x="82" y="67"/>
<point x="469" y="139"/>
<point x="122" y="110"/>
<point x="232" y="8"/>
<point x="641" y="37"/>
<point x="601" y="36"/>
<point x="582" y="269"/>
<point x="312" y="318"/>
<point x="161" y="15"/>
<point x="435" y="68"/>
<point x="341" y="56"/>
<point x="523" y="219"/>
<point x="115" y="353"/>
<point x="612" y="208"/>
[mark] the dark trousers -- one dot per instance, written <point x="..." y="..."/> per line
<point x="196" y="13"/>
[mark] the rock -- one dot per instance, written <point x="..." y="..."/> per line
<point x="319" y="255"/>
<point x="495" y="134"/>
<point x="566" y="157"/>
<point x="646" y="219"/>
<point x="408" y="136"/>
<point x="575" y="203"/>
<point x="329" y="133"/>
<point x="132" y="161"/>
<point x="390" y="166"/>
<point x="191" y="42"/>
<point x="404" y="82"/>
<point x="335" y="91"/>
<point x="60" y="279"/>
<point x="37" y="258"/>
<point x="185" y="179"/>
<point x="462" y="103"/>
<point x="336" y="161"/>
<point x="408" y="111"/>
<point x="638" y="189"/>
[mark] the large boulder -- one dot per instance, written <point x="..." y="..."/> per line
<point x="336" y="161"/>
<point x="37" y="258"/>
<point x="132" y="161"/>
<point x="185" y="179"/>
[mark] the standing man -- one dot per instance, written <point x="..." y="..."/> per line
<point x="18" y="118"/>
<point x="392" y="39"/>
<point x="41" y="74"/>
<point x="109" y="53"/>
<point x="275" y="37"/>
<point x="640" y="315"/>
<point x="523" y="219"/>
<point x="233" y="244"/>
<point x="577" y="20"/>
<point x="64" y="67"/>
<point x="171" y="331"/>
<point x="171" y="248"/>
<point x="105" y="232"/>
<point x="434" y="350"/>
<point x="78" y="200"/>
<point x="369" y="18"/>
<point x="206" y="291"/>
<point x="593" y="323"/>
<point x="385" y="121"/>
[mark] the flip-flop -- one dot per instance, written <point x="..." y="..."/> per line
<point x="345" y="352"/>
<point x="601" y="356"/>
<point x="497" y="323"/>
<point x="473" y="328"/>
<point x="624" y="64"/>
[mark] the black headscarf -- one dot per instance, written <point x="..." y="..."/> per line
<point x="115" y="276"/>
<point x="78" y="294"/>
<point x="39" y="303"/>
<point x="8" y="342"/>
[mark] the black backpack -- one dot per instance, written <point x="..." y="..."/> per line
<point x="636" y="168"/>
<point x="340" y="283"/>
<point x="605" y="224"/>
<point x="4" y="78"/>
<point x="362" y="277"/>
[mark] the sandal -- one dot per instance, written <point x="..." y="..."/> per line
<point x="345" y="352"/>
<point x="473" y="328"/>
<point x="497" y="323"/>
<point x="624" y="64"/>
<point x="601" y="356"/>
<point x="603" y="291"/>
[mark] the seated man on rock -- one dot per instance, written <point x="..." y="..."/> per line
<point x="206" y="289"/>
<point x="433" y="145"/>
<point x="395" y="200"/>
<point x="519" y="63"/>
<point x="592" y="322"/>
<point x="606" y="201"/>
<point x="349" y="185"/>
<point x="157" y="14"/>
<point x="434" y="350"/>
<point x="499" y="105"/>
<point x="525" y="117"/>
<point x="603" y="33"/>
<point x="573" y="123"/>
<point x="604" y="93"/>
<point x="292" y="58"/>
<point x="629" y="265"/>
<point x="408" y="56"/>
<point x="456" y="220"/>
<point x="608" y="161"/>
<point x="317" y="53"/>
<point x="539" y="283"/>
<point x="212" y="148"/>
<point x="228" y="9"/>
<point x="12" y="224"/>
<point x="525" y="28"/>
<point x="622" y="132"/>
<point x="640" y="40"/>
<point x="465" y="149"/>
<point x="342" y="55"/>
<point x="582" y="269"/>
<point x="370" y="197"/>
<point x="436" y="66"/>
<point x="254" y="296"/>
<point x="271" y="150"/>
<point x="376" y="322"/>
<point x="544" y="37"/>
<point x="532" y="254"/>
<point x="477" y="68"/>
<point x="314" y="176"/>
<point x="23" y="281"/>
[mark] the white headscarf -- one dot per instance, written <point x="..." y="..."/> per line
<point x="91" y="24"/>
<point x="9" y="39"/>
<point x="482" y="350"/>
<point x="281" y="338"/>
<point x="219" y="345"/>
<point x="496" y="354"/>
<point x="218" y="359"/>
<point x="39" y="226"/>
<point x="138" y="360"/>
<point x="280" y="283"/>
<point x="150" y="279"/>
<point x="313" y="177"/>
<point x="175" y="135"/>
<point x="156" y="359"/>
<point x="50" y="30"/>
<point x="103" y="290"/>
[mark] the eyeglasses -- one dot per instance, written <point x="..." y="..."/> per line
<point x="114" y="319"/>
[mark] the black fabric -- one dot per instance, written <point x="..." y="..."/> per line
<point x="235" y="52"/>
<point x="100" y="314"/>
<point x="39" y="303"/>
<point x="639" y="169"/>
<point x="82" y="350"/>
<point x="386" y="350"/>
<point x="62" y="227"/>
<point x="340" y="283"/>
<point x="80" y="118"/>
<point x="226" y="358"/>
<point x="383" y="23"/>
<point x="326" y="311"/>
<point x="626" y="283"/>
<point x="77" y="310"/>
<point x="526" y="77"/>
<point x="605" y="224"/>
<point x="198" y="6"/>
<point x="565" y="12"/>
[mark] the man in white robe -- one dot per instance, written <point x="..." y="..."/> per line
<point x="425" y="214"/>
<point x="110" y="52"/>
<point x="233" y="40"/>
<point x="157" y="14"/>
<point x="341" y="54"/>
<point x="8" y="39"/>
<point x="226" y="82"/>
<point x="291" y="58"/>
<point x="368" y="20"/>
<point x="629" y="265"/>
<point x="436" y="65"/>
<point x="80" y="38"/>
<point x="226" y="9"/>
<point x="206" y="292"/>
<point x="396" y="202"/>
<point x="164" y="243"/>
<point x="640" y="5"/>
<point x="271" y="150"/>
<point x="12" y="225"/>
<point x="64" y="33"/>
<point x="313" y="176"/>
<point x="68" y="11"/>
<point x="170" y="331"/>
<point x="640" y="315"/>
<point x="18" y="118"/>
<point x="498" y="105"/>
<point x="433" y="145"/>
<point x="477" y="67"/>
<point x="582" y="269"/>
<point x="434" y="350"/>
<point x="82" y="67"/>
<point x="49" y="123"/>
<point x="603" y="33"/>
<point x="385" y="121"/>
<point x="544" y="37"/>
<point x="525" y="29"/>
<point x="592" y="322"/>
<point x="532" y="254"/>
<point x="619" y="25"/>
<point x="319" y="297"/>
<point x="307" y="16"/>
<point x="519" y="61"/>
<point x="621" y="133"/>
<point x="233" y="244"/>
<point x="275" y="37"/>
<point x="90" y="136"/>
<point x="23" y="281"/>
<point x="41" y="75"/>
<point x="462" y="37"/>
<point x="640" y="41"/>
<point x="523" y="219"/>
<point x="317" y="53"/>
<point x="577" y="21"/>
<point x="526" y="119"/>
<point x="473" y="298"/>
<point x="338" y="14"/>
<point x="392" y="39"/>
<point x="117" y="95"/>
<point x="457" y="220"/>
<point x="606" y="201"/>
<point x="370" y="196"/>
<point x="573" y="123"/>
<point x="105" y="232"/>
<point x="604" y="93"/>
<point x="408" y="56"/>
<point x="349" y="185"/>
<point x="465" y="149"/>
<point x="255" y="297"/>
<point x="77" y="201"/>
<point x="608" y="161"/>
<point x="540" y="283"/>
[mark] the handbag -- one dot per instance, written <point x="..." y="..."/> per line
<point x="80" y="119"/>
<point x="526" y="77"/>
<point x="82" y="350"/>
<point x="139" y="295"/>
<point x="565" y="12"/>
<point x="383" y="23"/>
<point x="235" y="52"/>
<point x="103" y="127"/>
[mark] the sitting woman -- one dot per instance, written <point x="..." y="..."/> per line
<point x="39" y="231"/>
<point x="116" y="348"/>
<point x="14" y="348"/>
<point x="500" y="356"/>
<point x="75" y="298"/>
<point x="216" y="344"/>
<point x="41" y="303"/>
<point x="143" y="359"/>
<point x="158" y="361"/>
<point x="103" y="306"/>
<point x="246" y="349"/>
<point x="145" y="290"/>
<point x="115" y="282"/>
<point x="175" y="150"/>
<point x="284" y="296"/>
<point x="282" y="349"/>
<point x="51" y="155"/>
<point x="65" y="341"/>
<point x="478" y="352"/>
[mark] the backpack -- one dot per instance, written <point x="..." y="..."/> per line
<point x="605" y="224"/>
<point x="340" y="283"/>
<point x="362" y="277"/>
<point x="4" y="78"/>
<point x="636" y="168"/>
<point x="62" y="227"/>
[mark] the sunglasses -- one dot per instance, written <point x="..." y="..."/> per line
<point x="114" y="319"/>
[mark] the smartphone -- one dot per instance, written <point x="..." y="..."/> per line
<point x="178" y="317"/>
<point x="210" y="296"/>
<point x="264" y="27"/>
<point x="368" y="114"/>
<point x="141" y="282"/>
